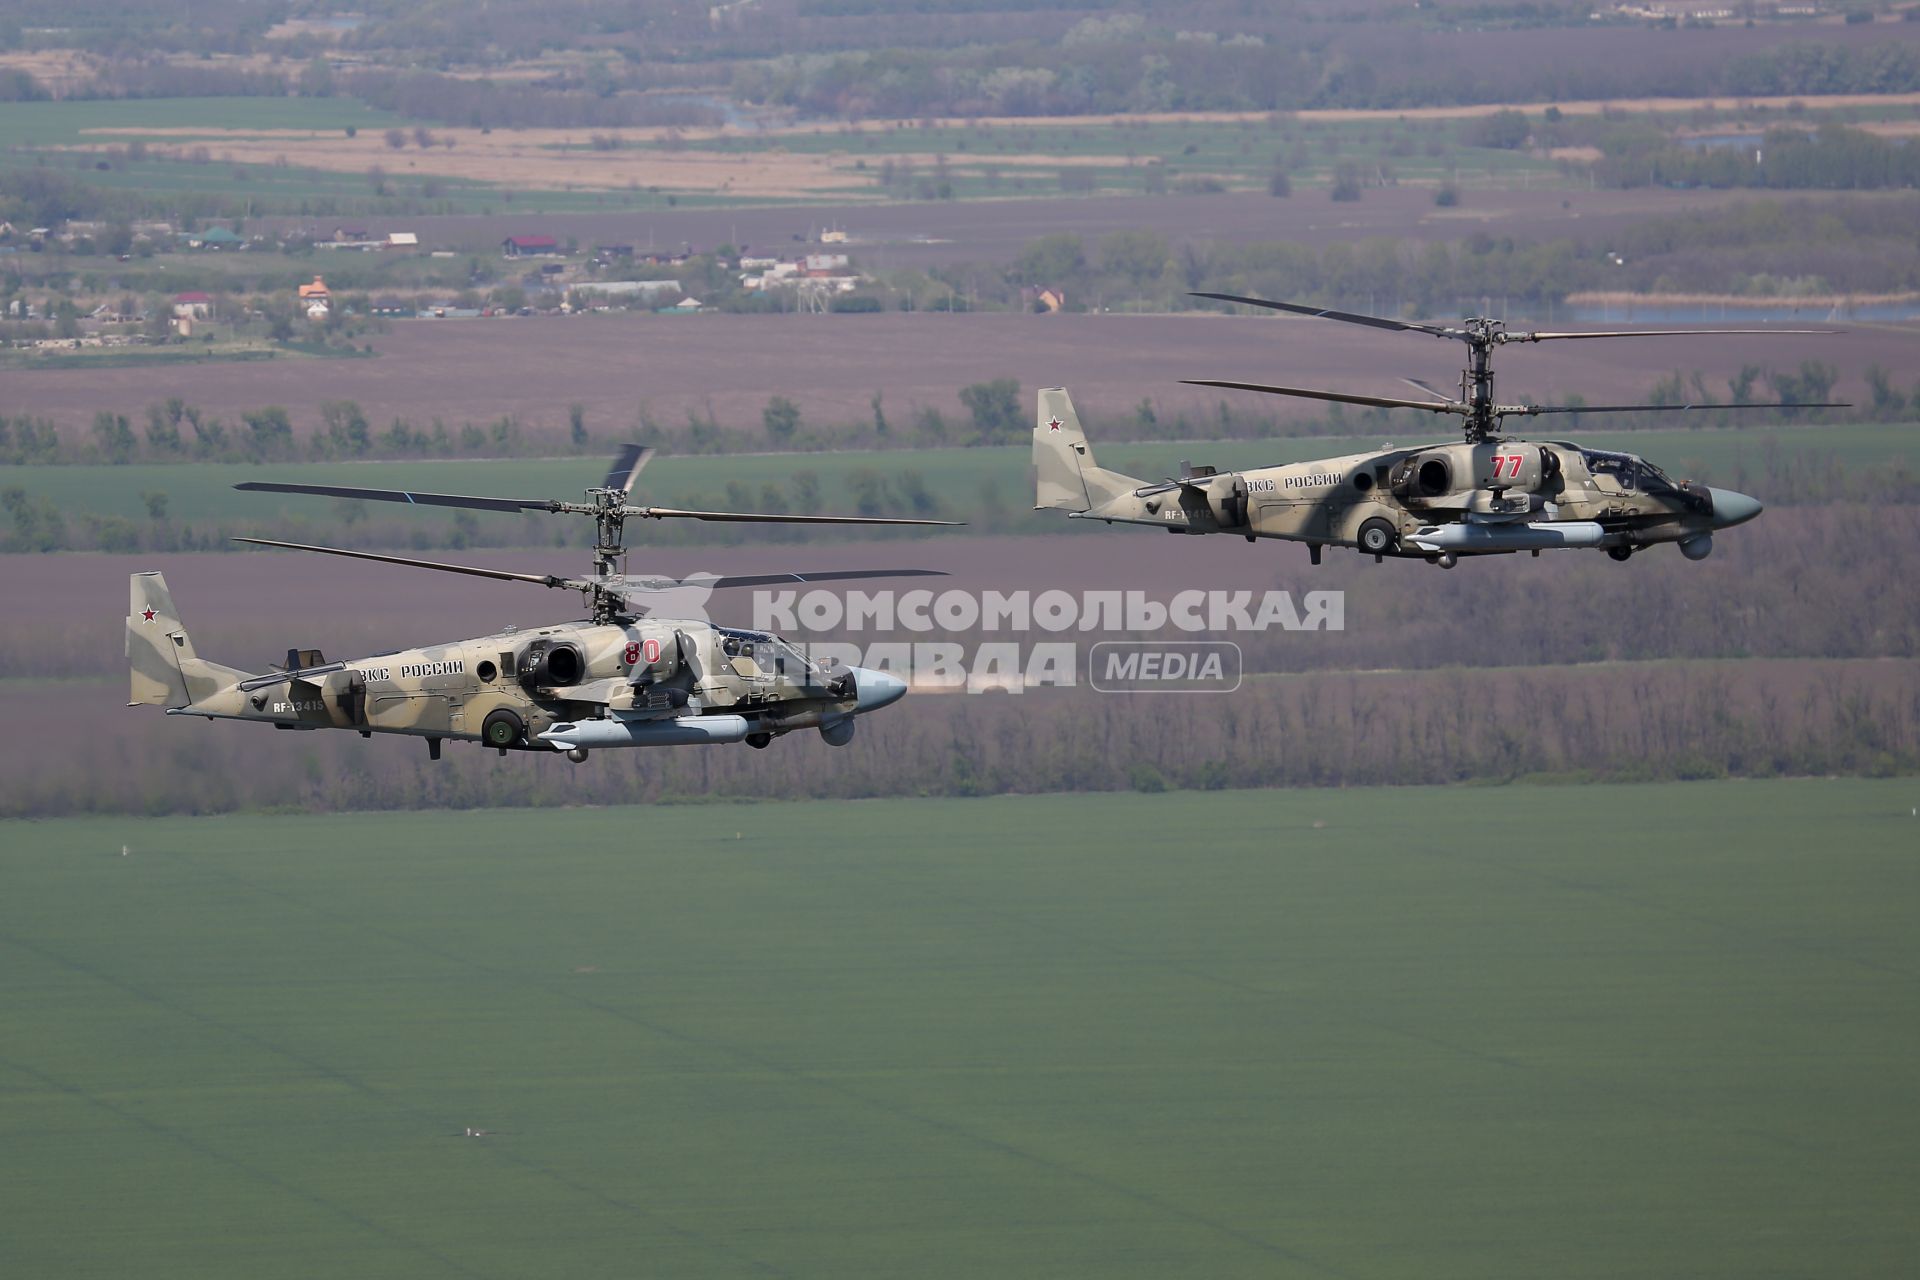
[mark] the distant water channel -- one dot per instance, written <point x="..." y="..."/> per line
<point x="1703" y="313"/>
<point x="1707" y="140"/>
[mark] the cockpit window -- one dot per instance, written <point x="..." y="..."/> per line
<point x="787" y="659"/>
<point x="767" y="650"/>
<point x="1631" y="472"/>
<point x="1653" y="479"/>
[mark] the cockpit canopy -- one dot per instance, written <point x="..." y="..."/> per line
<point x="765" y="649"/>
<point x="1631" y="472"/>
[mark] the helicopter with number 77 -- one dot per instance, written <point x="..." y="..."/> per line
<point x="1489" y="494"/>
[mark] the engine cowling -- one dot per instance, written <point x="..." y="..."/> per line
<point x="1422" y="479"/>
<point x="545" y="664"/>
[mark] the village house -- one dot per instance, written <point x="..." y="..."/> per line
<point x="816" y="272"/>
<point x="1046" y="299"/>
<point x="316" y="300"/>
<point x="192" y="305"/>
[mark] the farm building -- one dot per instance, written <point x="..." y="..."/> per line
<point x="588" y="291"/>
<point x="215" y="238"/>
<point x="530" y="247"/>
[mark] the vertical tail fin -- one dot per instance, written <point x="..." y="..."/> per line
<point x="1065" y="476"/>
<point x="156" y="642"/>
<point x="165" y="671"/>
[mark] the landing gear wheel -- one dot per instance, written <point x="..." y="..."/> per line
<point x="1622" y="554"/>
<point x="759" y="741"/>
<point x="1447" y="560"/>
<point x="1377" y="537"/>
<point x="502" y="729"/>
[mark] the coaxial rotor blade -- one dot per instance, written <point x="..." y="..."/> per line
<point x="760" y="517"/>
<point x="404" y="495"/>
<point x="1430" y="389"/>
<point x="620" y="476"/>
<point x="766" y="579"/>
<point x="539" y="579"/>
<point x="1348" y="317"/>
<point x="1642" y="333"/>
<point x="1533" y="409"/>
<point x="1341" y="397"/>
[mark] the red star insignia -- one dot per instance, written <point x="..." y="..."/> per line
<point x="147" y="614"/>
<point x="1053" y="424"/>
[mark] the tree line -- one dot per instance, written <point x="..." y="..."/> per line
<point x="1120" y="63"/>
<point x="850" y="60"/>
<point x="1654" y="722"/>
<point x="992" y="412"/>
<point x="1833" y="157"/>
<point x="1803" y="582"/>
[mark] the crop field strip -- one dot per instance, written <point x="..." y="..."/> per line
<point x="987" y="486"/>
<point x="1038" y="157"/>
<point x="1365" y="1033"/>
<point x="1238" y="152"/>
<point x="626" y="370"/>
<point x="291" y="151"/>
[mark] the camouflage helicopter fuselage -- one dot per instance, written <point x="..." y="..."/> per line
<point x="570" y="687"/>
<point x="1489" y="494"/>
<point x="625" y="677"/>
<point x="1436" y="502"/>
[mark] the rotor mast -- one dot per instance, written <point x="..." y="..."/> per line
<point x="1476" y="381"/>
<point x="609" y="522"/>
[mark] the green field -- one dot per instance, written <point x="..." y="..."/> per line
<point x="994" y="162"/>
<point x="999" y="160"/>
<point x="67" y="123"/>
<point x="1625" y="1031"/>
<point x="988" y="486"/>
<point x="37" y="133"/>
